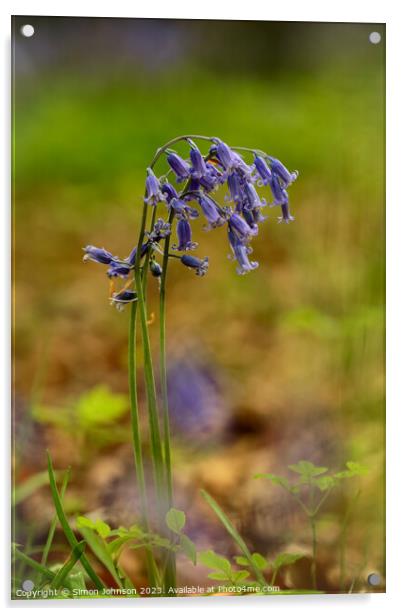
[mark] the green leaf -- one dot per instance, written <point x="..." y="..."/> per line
<point x="308" y="469"/>
<point x="217" y="575"/>
<point x="44" y="571"/>
<point x="241" y="560"/>
<point x="259" y="561"/>
<point x="99" y="526"/>
<point x="100" y="406"/>
<point x="64" y="571"/>
<point x="100" y="548"/>
<point x="53" y="524"/>
<point x="76" y="580"/>
<point x="353" y="469"/>
<point x="276" y="479"/>
<point x="66" y="527"/>
<point x="175" y="520"/>
<point x="234" y="534"/>
<point x="241" y="575"/>
<point x="188" y="548"/>
<point x="282" y="560"/>
<point x="324" y="483"/>
<point x="214" y="561"/>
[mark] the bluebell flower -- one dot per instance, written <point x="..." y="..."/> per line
<point x="180" y="167"/>
<point x="241" y="252"/>
<point x="199" y="168"/>
<point x="133" y="254"/>
<point x="241" y="228"/>
<point x="286" y="215"/>
<point x="160" y="231"/>
<point x="225" y="155"/>
<point x="98" y="255"/>
<point x="262" y="169"/>
<point x="280" y="195"/>
<point x="156" y="269"/>
<point x="153" y="192"/>
<point x="286" y="176"/>
<point x="169" y="191"/>
<point x="210" y="211"/>
<point x="253" y="199"/>
<point x="200" y="265"/>
<point x="241" y="167"/>
<point x="121" y="270"/>
<point x="182" y="209"/>
<point x="120" y="299"/>
<point x="184" y="236"/>
<point x="251" y="219"/>
<point x="234" y="187"/>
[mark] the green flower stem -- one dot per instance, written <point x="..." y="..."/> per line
<point x="164" y="147"/>
<point x="156" y="443"/>
<point x="136" y="436"/>
<point x="163" y="370"/>
<point x="170" y="572"/>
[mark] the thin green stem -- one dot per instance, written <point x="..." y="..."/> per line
<point x="162" y="149"/>
<point x="170" y="572"/>
<point x="314" y="552"/>
<point x="53" y="525"/>
<point x="156" y="444"/>
<point x="136" y="435"/>
<point x="342" y="541"/>
<point x="163" y="368"/>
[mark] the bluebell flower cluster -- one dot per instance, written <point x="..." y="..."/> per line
<point x="193" y="193"/>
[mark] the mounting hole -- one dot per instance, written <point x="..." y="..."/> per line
<point x="374" y="579"/>
<point x="375" y="38"/>
<point x="27" y="30"/>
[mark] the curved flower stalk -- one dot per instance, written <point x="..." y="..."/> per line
<point x="172" y="206"/>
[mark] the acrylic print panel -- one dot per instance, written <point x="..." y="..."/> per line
<point x="198" y="390"/>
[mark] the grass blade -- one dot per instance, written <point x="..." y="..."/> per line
<point x="100" y="551"/>
<point x="53" y="525"/>
<point x="44" y="571"/>
<point x="66" y="527"/>
<point x="234" y="534"/>
<point x="63" y="572"/>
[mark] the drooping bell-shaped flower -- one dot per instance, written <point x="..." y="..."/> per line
<point x="169" y="191"/>
<point x="199" y="168"/>
<point x="120" y="299"/>
<point x="184" y="236"/>
<point x="286" y="215"/>
<point x="180" y="166"/>
<point x="280" y="195"/>
<point x="241" y="252"/>
<point x="121" y="270"/>
<point x="262" y="169"/>
<point x="156" y="269"/>
<point x="199" y="265"/>
<point x="241" y="228"/>
<point x="153" y="192"/>
<point x="133" y="254"/>
<point x="286" y="176"/>
<point x="98" y="255"/>
<point x="210" y="211"/>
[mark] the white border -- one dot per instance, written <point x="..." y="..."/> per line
<point x="296" y="10"/>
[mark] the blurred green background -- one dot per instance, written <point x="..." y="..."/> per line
<point x="287" y="362"/>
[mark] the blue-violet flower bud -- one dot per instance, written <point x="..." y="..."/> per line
<point x="99" y="255"/>
<point x="180" y="167"/>
<point x="200" y="265"/>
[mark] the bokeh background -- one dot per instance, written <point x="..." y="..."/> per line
<point x="284" y="364"/>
